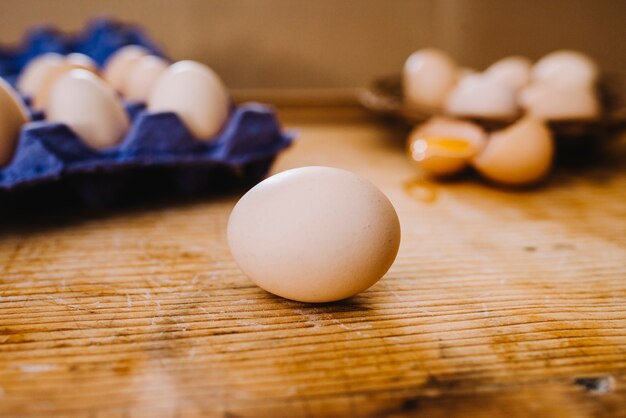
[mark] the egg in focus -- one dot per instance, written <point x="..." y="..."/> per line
<point x="314" y="234"/>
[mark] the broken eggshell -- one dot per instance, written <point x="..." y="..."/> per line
<point x="443" y="146"/>
<point x="518" y="155"/>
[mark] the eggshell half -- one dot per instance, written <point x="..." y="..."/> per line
<point x="196" y="94"/>
<point x="89" y="107"/>
<point x="518" y="155"/>
<point x="443" y="146"/>
<point x="314" y="234"/>
<point x="13" y="114"/>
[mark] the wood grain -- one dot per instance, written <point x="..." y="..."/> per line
<point x="500" y="303"/>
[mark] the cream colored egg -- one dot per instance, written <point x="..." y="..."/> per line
<point x="514" y="71"/>
<point x="13" y="114"/>
<point x="546" y="100"/>
<point x="35" y="73"/>
<point x="89" y="107"/>
<point x="566" y="67"/>
<point x="116" y="67"/>
<point x="444" y="146"/>
<point x="314" y="234"/>
<point x="142" y="76"/>
<point x="78" y="60"/>
<point x="518" y="155"/>
<point x="196" y="94"/>
<point x="40" y="97"/>
<point x="481" y="96"/>
<point x="428" y="76"/>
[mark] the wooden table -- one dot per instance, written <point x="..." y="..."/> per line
<point x="499" y="303"/>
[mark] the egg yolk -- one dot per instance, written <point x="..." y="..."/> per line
<point x="443" y="146"/>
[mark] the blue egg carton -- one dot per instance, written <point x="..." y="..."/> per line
<point x="52" y="154"/>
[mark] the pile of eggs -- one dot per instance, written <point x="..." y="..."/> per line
<point x="560" y="86"/>
<point x="71" y="89"/>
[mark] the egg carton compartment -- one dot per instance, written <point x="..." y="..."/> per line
<point x="158" y="153"/>
<point x="99" y="39"/>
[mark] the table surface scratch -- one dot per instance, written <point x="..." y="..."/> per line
<point x="500" y="302"/>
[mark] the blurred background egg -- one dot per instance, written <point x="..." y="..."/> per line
<point x="479" y="95"/>
<point x="196" y="94"/>
<point x="90" y="107"/>
<point x="116" y="67"/>
<point x="78" y="60"/>
<point x="13" y="114"/>
<point x="566" y="67"/>
<point x="142" y="76"/>
<point x="428" y="76"/>
<point x="71" y="62"/>
<point x="518" y="155"/>
<point x="551" y="101"/>
<point x="514" y="71"/>
<point x="34" y="75"/>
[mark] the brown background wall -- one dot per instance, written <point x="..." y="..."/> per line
<point x="342" y="43"/>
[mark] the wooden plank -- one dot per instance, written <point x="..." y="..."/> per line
<point x="500" y="302"/>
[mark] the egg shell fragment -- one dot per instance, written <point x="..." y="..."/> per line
<point x="89" y="107"/>
<point x="518" y="155"/>
<point x="314" y="234"/>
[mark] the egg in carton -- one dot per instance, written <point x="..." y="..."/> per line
<point x="72" y="123"/>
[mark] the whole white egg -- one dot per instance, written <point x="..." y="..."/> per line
<point x="554" y="101"/>
<point x="116" y="67"/>
<point x="196" y="94"/>
<point x="35" y="73"/>
<point x="314" y="234"/>
<point x="428" y="76"/>
<point x="480" y="96"/>
<point x="142" y="76"/>
<point x="514" y="71"/>
<point x="90" y="107"/>
<point x="566" y="67"/>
